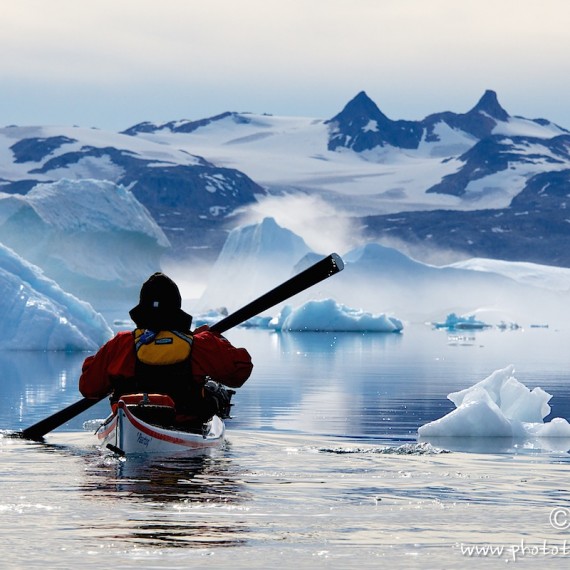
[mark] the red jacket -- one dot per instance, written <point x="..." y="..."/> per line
<point x="212" y="355"/>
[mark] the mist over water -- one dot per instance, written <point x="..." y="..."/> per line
<point x="409" y="291"/>
<point x="323" y="227"/>
<point x="376" y="278"/>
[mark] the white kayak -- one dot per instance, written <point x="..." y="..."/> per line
<point x="126" y="434"/>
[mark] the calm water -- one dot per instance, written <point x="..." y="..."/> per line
<point x="321" y="467"/>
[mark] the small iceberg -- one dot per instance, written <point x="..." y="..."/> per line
<point x="214" y="316"/>
<point x="504" y="326"/>
<point x="454" y="322"/>
<point x="327" y="316"/>
<point x="498" y="406"/>
<point x="209" y="317"/>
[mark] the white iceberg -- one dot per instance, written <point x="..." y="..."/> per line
<point x="92" y="237"/>
<point x="255" y="259"/>
<point x="498" y="406"/>
<point x="328" y="315"/>
<point x="36" y="314"/>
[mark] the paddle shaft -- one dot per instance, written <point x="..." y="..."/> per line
<point x="311" y="276"/>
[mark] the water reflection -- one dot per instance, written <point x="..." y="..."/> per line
<point x="339" y="384"/>
<point x="172" y="502"/>
<point x="370" y="386"/>
<point x="335" y="342"/>
<point x="499" y="445"/>
<point x="35" y="384"/>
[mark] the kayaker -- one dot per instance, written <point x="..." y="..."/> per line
<point x="163" y="356"/>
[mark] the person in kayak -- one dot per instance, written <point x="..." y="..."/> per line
<point x="163" y="356"/>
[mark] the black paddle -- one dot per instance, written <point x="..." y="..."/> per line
<point x="311" y="276"/>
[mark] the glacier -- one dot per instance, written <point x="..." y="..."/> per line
<point x="37" y="314"/>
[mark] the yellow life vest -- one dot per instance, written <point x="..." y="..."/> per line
<point x="163" y="348"/>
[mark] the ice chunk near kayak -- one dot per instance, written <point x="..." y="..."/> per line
<point x="498" y="406"/>
<point x="36" y="314"/>
<point x="328" y="315"/>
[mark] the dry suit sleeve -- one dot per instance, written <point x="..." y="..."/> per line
<point x="113" y="361"/>
<point x="214" y="356"/>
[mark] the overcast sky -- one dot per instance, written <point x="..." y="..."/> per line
<point x="114" y="63"/>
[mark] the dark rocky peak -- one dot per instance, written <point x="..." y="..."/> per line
<point x="360" y="108"/>
<point x="145" y="127"/>
<point x="362" y="126"/>
<point x="489" y="104"/>
<point x="479" y="122"/>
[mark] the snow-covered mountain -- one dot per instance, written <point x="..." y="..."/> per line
<point x="448" y="177"/>
<point x="361" y="126"/>
<point x="481" y="183"/>
<point x="385" y="166"/>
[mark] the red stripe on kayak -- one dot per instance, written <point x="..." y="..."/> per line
<point x="145" y="428"/>
<point x="112" y="425"/>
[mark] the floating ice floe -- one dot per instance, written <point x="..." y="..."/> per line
<point x="498" y="406"/>
<point x="455" y="322"/>
<point x="209" y="317"/>
<point x="328" y="315"/>
<point x="214" y="316"/>
<point x="318" y="316"/>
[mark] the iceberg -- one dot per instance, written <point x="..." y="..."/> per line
<point x="453" y="322"/>
<point x="316" y="316"/>
<point x="94" y="238"/>
<point x="37" y="314"/>
<point x="255" y="258"/>
<point x="328" y="315"/>
<point x="498" y="406"/>
<point x="214" y="316"/>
